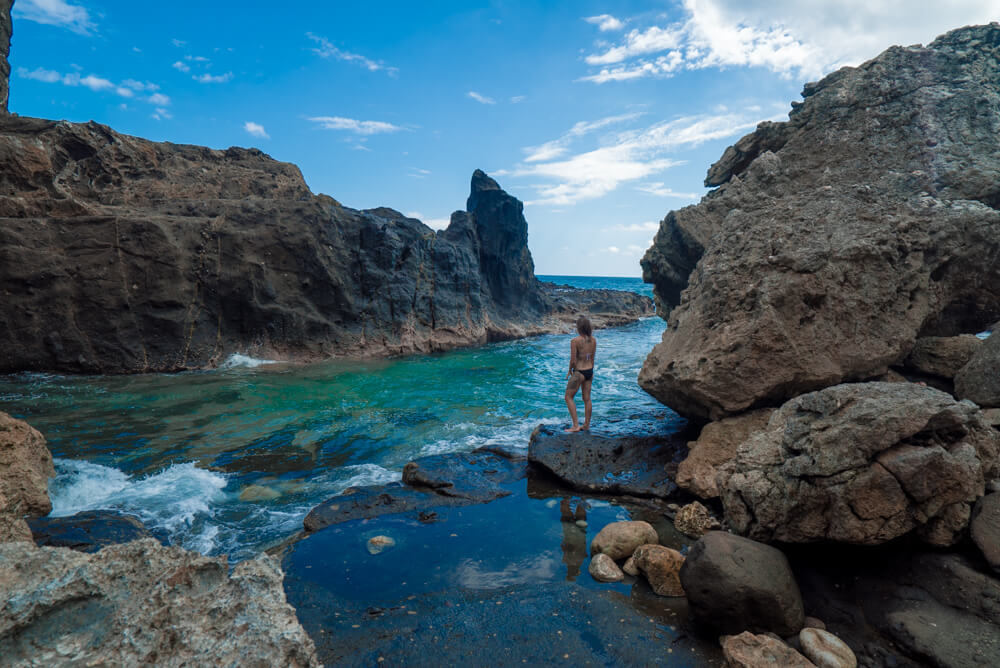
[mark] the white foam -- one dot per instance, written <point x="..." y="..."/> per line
<point x="360" y="475"/>
<point x="984" y="335"/>
<point x="239" y="360"/>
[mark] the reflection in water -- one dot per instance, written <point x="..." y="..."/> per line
<point x="574" y="541"/>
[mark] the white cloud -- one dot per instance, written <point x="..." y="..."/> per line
<point x="256" y="130"/>
<point x="419" y="173"/>
<point x="355" y="126"/>
<point x="433" y="223"/>
<point x="605" y="22"/>
<point x="808" y="40"/>
<point x="327" y="50"/>
<point x="650" y="226"/>
<point x="613" y="249"/>
<point x="161" y="114"/>
<point x="213" y="78"/>
<point x="517" y="99"/>
<point x="180" y="65"/>
<point x="631" y="155"/>
<point x="124" y="92"/>
<point x="556" y="147"/>
<point x="127" y="88"/>
<point x="56" y="13"/>
<point x="39" y="74"/>
<point x="158" y="99"/>
<point x="481" y="99"/>
<point x="660" y="190"/>
<point x="140" y="85"/>
<point x="178" y="42"/>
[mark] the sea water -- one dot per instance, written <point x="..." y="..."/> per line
<point x="229" y="461"/>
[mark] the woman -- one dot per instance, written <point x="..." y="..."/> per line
<point x="581" y="372"/>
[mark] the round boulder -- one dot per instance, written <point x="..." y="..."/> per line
<point x="826" y="650"/>
<point x="754" y="651"/>
<point x="618" y="540"/>
<point x="661" y="566"/>
<point x="604" y="569"/>
<point x="735" y="584"/>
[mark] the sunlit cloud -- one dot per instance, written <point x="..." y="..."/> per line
<point x="207" y="78"/>
<point x="127" y="88"/>
<point x="56" y="13"/>
<point x="481" y="99"/>
<point x="256" y="130"/>
<point x="355" y="126"/>
<point x="325" y="49"/>
<point x="605" y="22"/>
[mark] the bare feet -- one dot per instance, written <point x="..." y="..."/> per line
<point x="585" y="427"/>
<point x="573" y="430"/>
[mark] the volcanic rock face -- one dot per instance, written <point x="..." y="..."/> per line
<point x="839" y="237"/>
<point x="979" y="379"/>
<point x="863" y="464"/>
<point x="6" y="29"/>
<point x="25" y="469"/>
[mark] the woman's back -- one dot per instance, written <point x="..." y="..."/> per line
<point x="586" y="347"/>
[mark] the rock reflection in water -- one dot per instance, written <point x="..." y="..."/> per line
<point x="574" y="540"/>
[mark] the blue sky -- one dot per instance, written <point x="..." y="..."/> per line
<point x="601" y="116"/>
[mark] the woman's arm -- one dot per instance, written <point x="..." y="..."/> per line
<point x="572" y="357"/>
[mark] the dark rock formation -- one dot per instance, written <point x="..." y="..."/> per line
<point x="839" y="237"/>
<point x="862" y="463"/>
<point x="633" y="465"/>
<point x="734" y="585"/>
<point x="87" y="531"/>
<point x="979" y="379"/>
<point x="6" y="30"/>
<point x="942" y="355"/>
<point x="25" y="469"/>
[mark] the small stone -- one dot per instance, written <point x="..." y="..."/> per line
<point x="619" y="540"/>
<point x="377" y="544"/>
<point x="695" y="520"/>
<point x="630" y="566"/>
<point x="604" y="569"/>
<point x="755" y="651"/>
<point x="258" y="493"/>
<point x="813" y="623"/>
<point x="582" y="524"/>
<point x="661" y="566"/>
<point x="826" y="650"/>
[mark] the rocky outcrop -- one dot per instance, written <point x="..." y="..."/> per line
<point x="942" y="355"/>
<point x="6" y="30"/>
<point x="836" y="239"/>
<point x="142" y="604"/>
<point x="716" y="445"/>
<point x="862" y="463"/>
<point x="25" y="469"/>
<point x="734" y="584"/>
<point x="979" y="379"/>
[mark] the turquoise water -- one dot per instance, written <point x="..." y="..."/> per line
<point x="229" y="461"/>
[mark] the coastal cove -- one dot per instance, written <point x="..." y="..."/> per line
<point x="229" y="461"/>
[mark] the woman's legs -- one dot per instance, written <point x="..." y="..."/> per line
<point x="586" y="403"/>
<point x="571" y="387"/>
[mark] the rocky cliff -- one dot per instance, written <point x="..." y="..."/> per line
<point x="6" y="29"/>
<point x="836" y="239"/>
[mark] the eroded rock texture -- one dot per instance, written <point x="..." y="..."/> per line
<point x="144" y="604"/>
<point x="25" y="469"/>
<point x="120" y="255"/>
<point x="979" y="379"/>
<point x="6" y="29"/>
<point x="862" y="463"/>
<point x="839" y="237"/>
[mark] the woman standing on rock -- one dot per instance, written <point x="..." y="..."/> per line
<point x="581" y="372"/>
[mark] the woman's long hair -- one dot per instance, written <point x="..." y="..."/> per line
<point x="583" y="327"/>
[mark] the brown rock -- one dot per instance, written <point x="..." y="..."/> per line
<point x="630" y="568"/>
<point x="145" y="604"/>
<point x="813" y="623"/>
<point x="825" y="649"/>
<point x="619" y="540"/>
<point x="942" y="355"/>
<point x="25" y="469"/>
<point x="811" y="267"/>
<point x="715" y="446"/>
<point x="979" y="379"/>
<point x="604" y="569"/>
<point x="985" y="528"/>
<point x="861" y="463"/>
<point x="661" y="566"/>
<point x="695" y="520"/>
<point x="757" y="651"/>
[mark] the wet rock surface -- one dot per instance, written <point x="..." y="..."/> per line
<point x="142" y="603"/>
<point x="734" y="584"/>
<point x="429" y="483"/>
<point x="862" y="463"/>
<point x="716" y="445"/>
<point x="637" y="466"/>
<point x="979" y="379"/>
<point x="807" y="268"/>
<point x="89" y="531"/>
<point x="25" y="469"/>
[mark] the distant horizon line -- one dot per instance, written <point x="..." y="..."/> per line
<point x="582" y="276"/>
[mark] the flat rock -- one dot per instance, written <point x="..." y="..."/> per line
<point x="985" y="528"/>
<point x="747" y="650"/>
<point x="862" y="463"/>
<point x="619" y="540"/>
<point x="979" y="379"/>
<point x="942" y="355"/>
<point x="734" y="584"/>
<point x="636" y="466"/>
<point x="604" y="569"/>
<point x="25" y="469"/>
<point x="143" y="604"/>
<point x="716" y="445"/>
<point x="661" y="565"/>
<point x="88" y="531"/>
<point x="825" y="649"/>
<point x="807" y="268"/>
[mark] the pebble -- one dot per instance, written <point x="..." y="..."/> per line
<point x="604" y="569"/>
<point x="826" y="650"/>
<point x="377" y="544"/>
<point x="582" y="524"/>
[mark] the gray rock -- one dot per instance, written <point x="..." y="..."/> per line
<point x="142" y="604"/>
<point x="979" y="379"/>
<point x="88" y="531"/>
<point x="985" y="528"/>
<point x="716" y="445"/>
<point x="734" y="584"/>
<point x="810" y="267"/>
<point x="619" y="540"/>
<point x="942" y="355"/>
<point x="604" y="569"/>
<point x="861" y="463"/>
<point x="825" y="649"/>
<point x="747" y="650"/>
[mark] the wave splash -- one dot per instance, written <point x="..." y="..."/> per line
<point x="241" y="361"/>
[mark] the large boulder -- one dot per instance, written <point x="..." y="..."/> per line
<point x="838" y="238"/>
<point x="979" y="379"/>
<point x="734" y="584"/>
<point x="985" y="528"/>
<point x="25" y="469"/>
<point x="862" y="463"/>
<point x="943" y="355"/>
<point x="143" y="604"/>
<point x="715" y="446"/>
